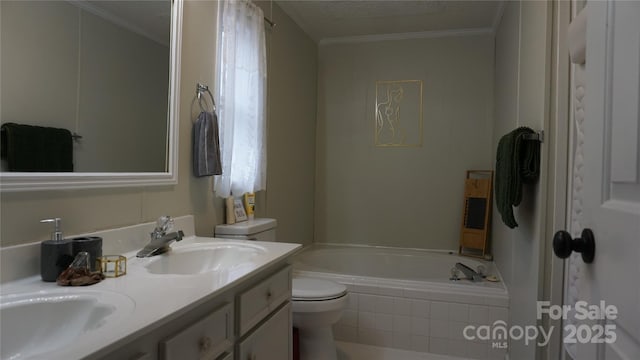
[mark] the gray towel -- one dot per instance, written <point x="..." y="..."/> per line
<point x="206" y="145"/>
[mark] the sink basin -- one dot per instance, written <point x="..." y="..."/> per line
<point x="197" y="259"/>
<point x="37" y="323"/>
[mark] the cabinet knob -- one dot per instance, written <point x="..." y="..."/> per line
<point x="564" y="245"/>
<point x="205" y="344"/>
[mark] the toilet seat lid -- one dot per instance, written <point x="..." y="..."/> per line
<point x="316" y="289"/>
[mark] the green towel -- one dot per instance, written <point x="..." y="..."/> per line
<point x="517" y="162"/>
<point x="35" y="148"/>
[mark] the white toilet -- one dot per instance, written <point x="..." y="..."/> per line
<point x="317" y="304"/>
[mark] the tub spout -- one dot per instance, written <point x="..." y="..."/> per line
<point x="468" y="272"/>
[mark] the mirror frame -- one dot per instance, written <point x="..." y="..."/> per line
<point x="22" y="181"/>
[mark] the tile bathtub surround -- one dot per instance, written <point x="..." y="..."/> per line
<point x="418" y="319"/>
<point x="348" y="350"/>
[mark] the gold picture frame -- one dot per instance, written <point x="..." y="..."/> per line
<point x="398" y="113"/>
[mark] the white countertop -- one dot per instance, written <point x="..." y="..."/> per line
<point x="154" y="298"/>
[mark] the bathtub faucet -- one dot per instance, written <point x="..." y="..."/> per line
<point x="469" y="272"/>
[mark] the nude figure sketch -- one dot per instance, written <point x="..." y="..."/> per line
<point x="388" y="126"/>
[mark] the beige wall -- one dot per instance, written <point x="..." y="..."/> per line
<point x="91" y="210"/>
<point x="522" y="99"/>
<point x="65" y="67"/>
<point x="291" y="151"/>
<point x="506" y="109"/>
<point x="291" y="129"/>
<point x="28" y="84"/>
<point x="123" y="92"/>
<point x="404" y="197"/>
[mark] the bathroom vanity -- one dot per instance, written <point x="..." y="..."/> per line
<point x="207" y="298"/>
<point x="250" y="320"/>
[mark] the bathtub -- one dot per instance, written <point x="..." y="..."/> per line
<point x="403" y="298"/>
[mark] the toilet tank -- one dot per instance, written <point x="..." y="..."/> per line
<point x="261" y="229"/>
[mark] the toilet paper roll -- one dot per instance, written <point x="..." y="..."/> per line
<point x="577" y="38"/>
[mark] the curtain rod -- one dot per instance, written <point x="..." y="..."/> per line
<point x="271" y="23"/>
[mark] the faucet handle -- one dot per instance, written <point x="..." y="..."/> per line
<point x="482" y="270"/>
<point x="454" y="274"/>
<point x="164" y="223"/>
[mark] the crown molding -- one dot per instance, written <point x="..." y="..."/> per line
<point x="498" y="17"/>
<point x="407" y="36"/>
<point x="97" y="11"/>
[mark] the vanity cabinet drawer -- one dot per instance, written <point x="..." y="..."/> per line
<point x="272" y="340"/>
<point x="256" y="303"/>
<point x="207" y="339"/>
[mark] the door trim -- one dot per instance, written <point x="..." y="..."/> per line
<point x="558" y="169"/>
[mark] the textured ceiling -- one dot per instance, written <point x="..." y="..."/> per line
<point x="331" y="19"/>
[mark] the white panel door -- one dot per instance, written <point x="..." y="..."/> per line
<point x="611" y="184"/>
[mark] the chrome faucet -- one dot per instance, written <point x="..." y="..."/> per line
<point x="160" y="240"/>
<point x="468" y="272"/>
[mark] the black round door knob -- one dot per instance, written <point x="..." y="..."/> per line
<point x="563" y="245"/>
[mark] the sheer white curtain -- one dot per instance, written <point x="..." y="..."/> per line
<point x="242" y="105"/>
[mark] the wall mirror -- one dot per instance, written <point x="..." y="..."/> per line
<point x="107" y="71"/>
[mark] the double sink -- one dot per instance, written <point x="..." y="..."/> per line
<point x="39" y="322"/>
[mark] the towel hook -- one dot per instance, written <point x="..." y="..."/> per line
<point x="201" y="88"/>
<point x="539" y="136"/>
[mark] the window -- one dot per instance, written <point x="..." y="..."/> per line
<point x="242" y="75"/>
